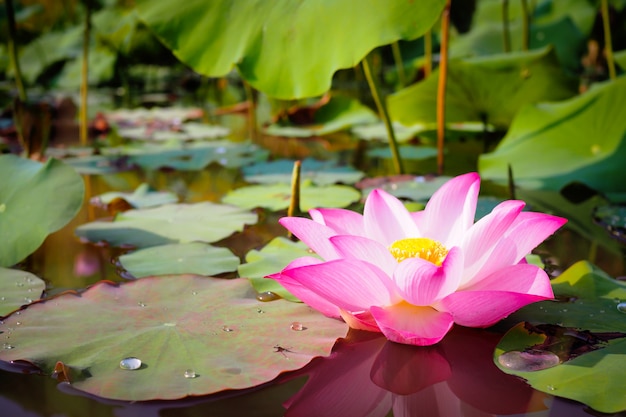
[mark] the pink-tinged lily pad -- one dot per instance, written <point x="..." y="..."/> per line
<point x="274" y="256"/>
<point x="170" y="223"/>
<point x="193" y="335"/>
<point x="180" y="258"/>
<point x="18" y="288"/>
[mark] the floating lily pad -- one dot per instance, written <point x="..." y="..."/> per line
<point x="30" y="207"/>
<point x="318" y="172"/>
<point x="192" y="335"/>
<point x="171" y="223"/>
<point x="487" y="89"/>
<point x="142" y="116"/>
<point x="590" y="306"/>
<point x="279" y="47"/>
<point x="18" y="288"/>
<point x="378" y="131"/>
<point x="142" y="197"/>
<point x="97" y="164"/>
<point x="271" y="258"/>
<point x="613" y="219"/>
<point x="277" y="197"/>
<point x="585" y="135"/>
<point x="184" y="132"/>
<point x="182" y="258"/>
<point x="407" y="152"/>
<point x="339" y="113"/>
<point x="416" y="188"/>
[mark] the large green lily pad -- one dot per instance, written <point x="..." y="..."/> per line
<point x="486" y="89"/>
<point x="589" y="300"/>
<point x="318" y="172"/>
<point x="179" y="258"/>
<point x="194" y="336"/>
<point x="170" y="223"/>
<point x="585" y="135"/>
<point x="18" y="288"/>
<point x="278" y="196"/>
<point x="30" y="207"/>
<point x="273" y="257"/>
<point x="311" y="39"/>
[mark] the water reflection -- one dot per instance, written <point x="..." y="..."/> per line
<point x="371" y="377"/>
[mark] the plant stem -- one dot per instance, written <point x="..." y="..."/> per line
<point x="428" y="53"/>
<point x="21" y="92"/>
<point x="397" y="57"/>
<point x="251" y="110"/>
<point x="506" y="36"/>
<point x="383" y="113"/>
<point x="441" y="87"/>
<point x="294" y="204"/>
<point x="525" y="26"/>
<point x="608" y="43"/>
<point x="84" y="81"/>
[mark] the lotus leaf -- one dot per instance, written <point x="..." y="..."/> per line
<point x="318" y="172"/>
<point x="589" y="300"/>
<point x="311" y="39"/>
<point x="584" y="134"/>
<point x="277" y="197"/>
<point x="193" y="335"/>
<point x="339" y="113"/>
<point x="487" y="89"/>
<point x="184" y="132"/>
<point x="142" y="197"/>
<point x="30" y="207"/>
<point x="170" y="223"/>
<point x="163" y="114"/>
<point x="271" y="258"/>
<point x="378" y="131"/>
<point x="407" y="152"/>
<point x="18" y="288"/>
<point x="414" y="188"/>
<point x="179" y="258"/>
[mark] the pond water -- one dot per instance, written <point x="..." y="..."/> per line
<point x="365" y="375"/>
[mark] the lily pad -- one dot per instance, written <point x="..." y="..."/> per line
<point x="585" y="135"/>
<point x="142" y="116"/>
<point x="277" y="197"/>
<point x="273" y="257"/>
<point x="339" y="113"/>
<point x="192" y="335"/>
<point x="378" y="131"/>
<point x="407" y="152"/>
<point x="416" y="188"/>
<point x="170" y="223"/>
<point x="181" y="258"/>
<point x="140" y="198"/>
<point x="184" y="132"/>
<point x="18" y="288"/>
<point x="590" y="306"/>
<point x="257" y="36"/>
<point x="318" y="172"/>
<point x="487" y="89"/>
<point x="30" y="207"/>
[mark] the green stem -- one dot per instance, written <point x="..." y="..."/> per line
<point x="608" y="43"/>
<point x="84" y="81"/>
<point x="525" y="26"/>
<point x="441" y="86"/>
<point x="382" y="111"/>
<point x="397" y="57"/>
<point x="294" y="204"/>
<point x="21" y="92"/>
<point x="506" y="36"/>
<point x="428" y="53"/>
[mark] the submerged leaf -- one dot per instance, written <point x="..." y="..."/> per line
<point x="167" y="338"/>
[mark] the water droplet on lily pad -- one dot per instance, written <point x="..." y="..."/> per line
<point x="7" y="346"/>
<point x="130" y="364"/>
<point x="550" y="387"/>
<point x="528" y="361"/>
<point x="141" y="304"/>
<point x="297" y="326"/>
<point x="267" y="296"/>
<point x="621" y="307"/>
<point x="227" y="328"/>
<point x="189" y="373"/>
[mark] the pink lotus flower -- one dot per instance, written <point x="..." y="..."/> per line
<point x="412" y="276"/>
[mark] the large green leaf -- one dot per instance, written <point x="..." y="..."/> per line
<point x="18" y="288"/>
<point x="287" y="49"/>
<point x="194" y="336"/>
<point x="589" y="302"/>
<point x="170" y="223"/>
<point x="585" y="135"/>
<point x="179" y="258"/>
<point x="489" y="89"/>
<point x="30" y="207"/>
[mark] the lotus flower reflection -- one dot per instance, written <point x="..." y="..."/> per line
<point x="412" y="276"/>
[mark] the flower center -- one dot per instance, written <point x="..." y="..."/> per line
<point x="420" y="247"/>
